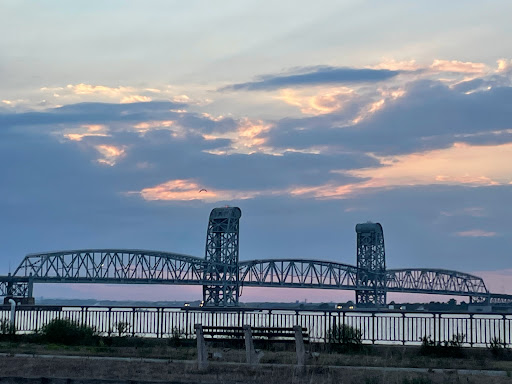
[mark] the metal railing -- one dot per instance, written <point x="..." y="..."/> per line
<point x="376" y="327"/>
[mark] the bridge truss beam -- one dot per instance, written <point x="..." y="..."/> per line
<point x="110" y="266"/>
<point x="440" y="281"/>
<point x="297" y="273"/>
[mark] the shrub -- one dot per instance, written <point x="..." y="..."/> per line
<point x="345" y="338"/>
<point x="65" y="331"/>
<point x="6" y="328"/>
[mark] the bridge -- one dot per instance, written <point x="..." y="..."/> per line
<point x="223" y="275"/>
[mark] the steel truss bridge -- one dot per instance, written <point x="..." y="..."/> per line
<point x="223" y="276"/>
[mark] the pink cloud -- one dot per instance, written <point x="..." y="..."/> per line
<point x="458" y="66"/>
<point x="187" y="190"/>
<point x="476" y="233"/>
<point x="110" y="153"/>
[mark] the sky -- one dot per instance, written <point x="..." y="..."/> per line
<point x="309" y="116"/>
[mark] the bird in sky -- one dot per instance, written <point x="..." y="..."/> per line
<point x="201" y="190"/>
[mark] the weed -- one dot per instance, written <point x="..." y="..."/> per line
<point x="497" y="347"/>
<point x="122" y="328"/>
<point x="176" y="336"/>
<point x="451" y="348"/>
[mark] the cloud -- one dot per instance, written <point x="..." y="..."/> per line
<point x="312" y="76"/>
<point x="187" y="190"/>
<point x="145" y="126"/>
<point x="135" y="99"/>
<point x="110" y="153"/>
<point x="394" y="65"/>
<point x="459" y="164"/>
<point x="458" y="66"/>
<point x="427" y="116"/>
<point x="504" y="66"/>
<point x="474" y="166"/>
<point x="89" y="89"/>
<point x="93" y="113"/>
<point x="469" y="211"/>
<point x="476" y="233"/>
<point x="438" y="65"/>
<point x="122" y="94"/>
<point x="86" y="130"/>
<point x="326" y="101"/>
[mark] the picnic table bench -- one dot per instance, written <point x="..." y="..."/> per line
<point x="297" y="333"/>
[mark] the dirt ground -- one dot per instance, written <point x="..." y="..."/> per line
<point x="187" y="372"/>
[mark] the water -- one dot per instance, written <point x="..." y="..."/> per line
<point x="376" y="327"/>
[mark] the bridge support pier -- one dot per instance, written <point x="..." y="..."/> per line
<point x="19" y="289"/>
<point x="371" y="264"/>
<point x="221" y="273"/>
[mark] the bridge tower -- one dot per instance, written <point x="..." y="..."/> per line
<point x="221" y="271"/>
<point x="371" y="264"/>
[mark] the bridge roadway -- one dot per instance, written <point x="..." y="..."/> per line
<point x="125" y="266"/>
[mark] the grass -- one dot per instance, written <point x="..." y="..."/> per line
<point x="346" y="351"/>
<point x="179" y="372"/>
<point x="377" y="356"/>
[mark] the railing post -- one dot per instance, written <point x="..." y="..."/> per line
<point x="157" y="322"/>
<point x="109" y="321"/>
<point x="471" y="329"/>
<point x="327" y="316"/>
<point x="186" y="324"/>
<point x="435" y="327"/>
<point x="37" y="319"/>
<point x="373" y="327"/>
<point x="133" y="322"/>
<point x="504" y="331"/>
<point x="403" y="328"/>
